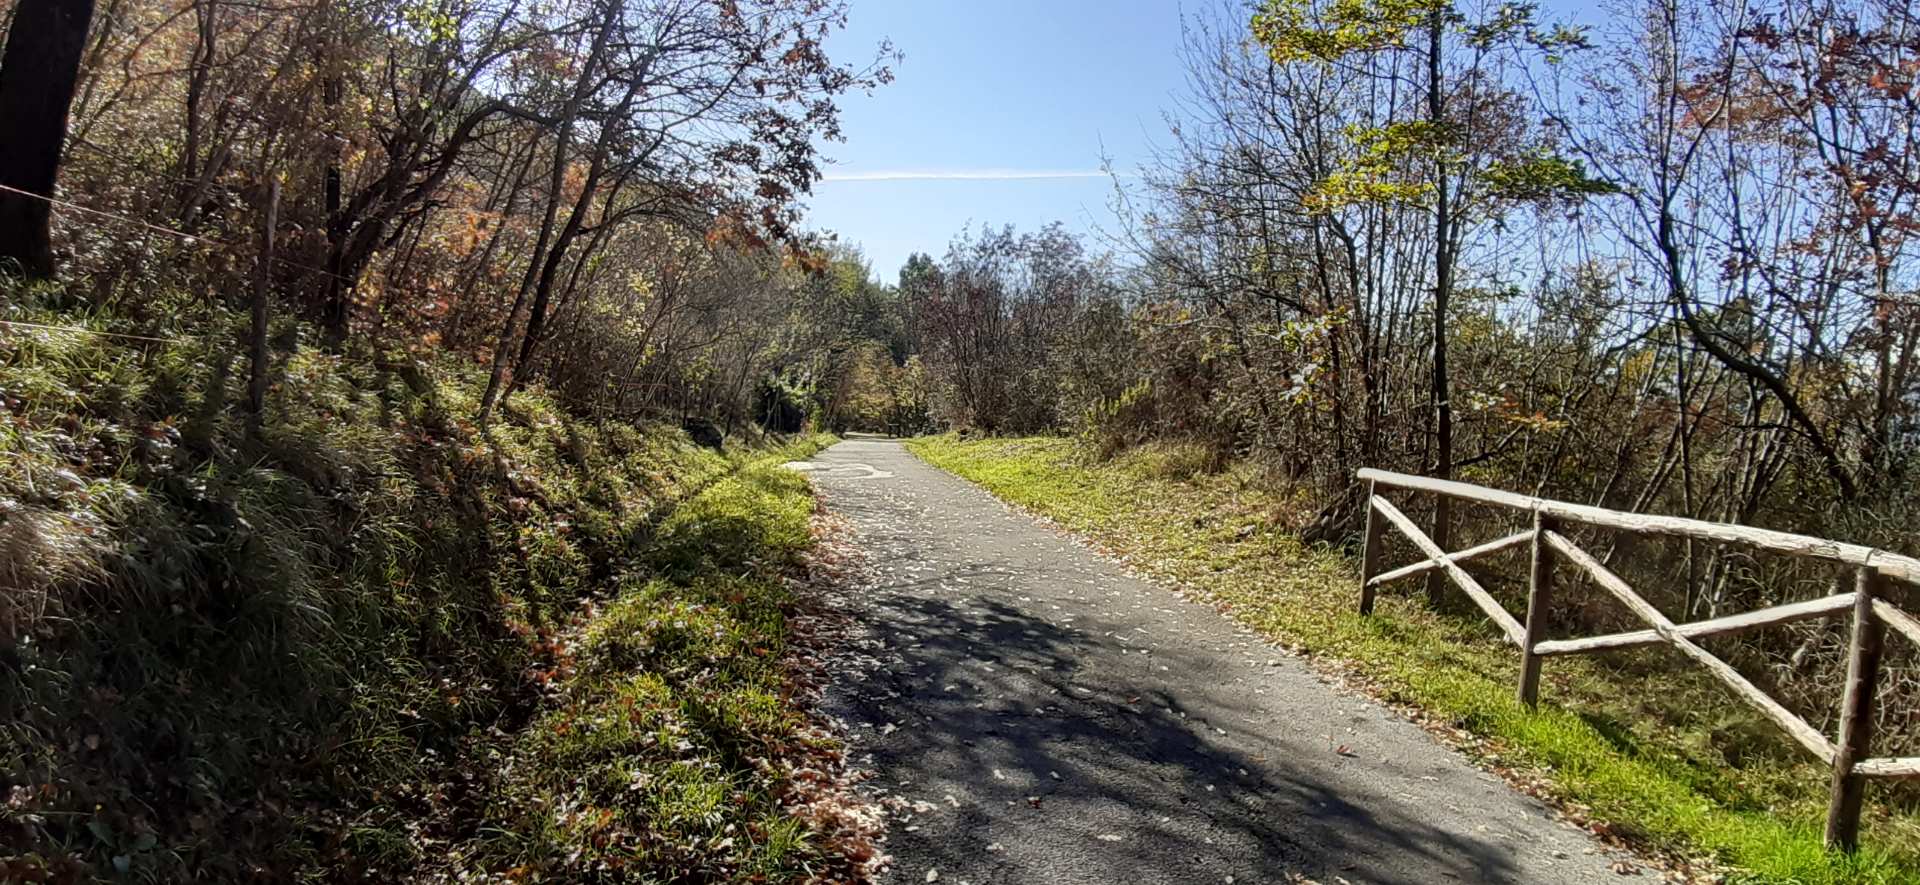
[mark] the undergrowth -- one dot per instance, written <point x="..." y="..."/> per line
<point x="671" y="750"/>
<point x="1632" y="745"/>
<point x="226" y="656"/>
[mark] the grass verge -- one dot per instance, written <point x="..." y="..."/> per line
<point x="1639" y="757"/>
<point x="228" y="656"/>
<point x="671" y="748"/>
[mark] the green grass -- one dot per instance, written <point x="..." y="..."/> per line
<point x="669" y="749"/>
<point x="222" y="654"/>
<point x="1650" y="763"/>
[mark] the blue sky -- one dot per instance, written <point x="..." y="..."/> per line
<point x="989" y="91"/>
<point x="1002" y="111"/>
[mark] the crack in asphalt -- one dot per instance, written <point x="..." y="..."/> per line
<point x="1042" y="716"/>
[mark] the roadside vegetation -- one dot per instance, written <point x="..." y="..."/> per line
<point x="390" y="395"/>
<point x="303" y="650"/>
<point x="672" y="740"/>
<point x="1646" y="751"/>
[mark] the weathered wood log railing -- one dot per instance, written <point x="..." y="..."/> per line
<point x="1872" y="613"/>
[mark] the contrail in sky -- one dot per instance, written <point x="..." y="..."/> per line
<point x="963" y="175"/>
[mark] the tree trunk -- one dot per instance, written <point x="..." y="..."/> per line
<point x="549" y="271"/>
<point x="338" y="317"/>
<point x="206" y="20"/>
<point x="569" y="232"/>
<point x="38" y="73"/>
<point x="503" y="349"/>
<point x="1442" y="292"/>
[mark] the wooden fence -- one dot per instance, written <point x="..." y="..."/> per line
<point x="1872" y="613"/>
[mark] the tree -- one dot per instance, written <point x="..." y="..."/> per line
<point x="431" y="83"/>
<point x="1713" y="118"/>
<point x="1443" y="156"/>
<point x="1841" y="74"/>
<point x="999" y="318"/>
<point x="705" y="114"/>
<point x="37" y="75"/>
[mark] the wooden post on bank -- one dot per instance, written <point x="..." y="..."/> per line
<point x="257" y="334"/>
<point x="1539" y="595"/>
<point x="1370" y="552"/>
<point x="1856" y="712"/>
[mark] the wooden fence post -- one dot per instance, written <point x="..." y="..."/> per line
<point x="1856" y="712"/>
<point x="1539" y="596"/>
<point x="1370" y="552"/>
<point x="1442" y="536"/>
<point x="257" y="332"/>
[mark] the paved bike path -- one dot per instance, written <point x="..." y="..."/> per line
<point x="1048" y="718"/>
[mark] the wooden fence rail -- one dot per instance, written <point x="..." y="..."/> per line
<point x="1872" y="614"/>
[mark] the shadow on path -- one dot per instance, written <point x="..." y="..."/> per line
<point x="1052" y="720"/>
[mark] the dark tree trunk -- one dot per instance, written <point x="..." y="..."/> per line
<point x="339" y="313"/>
<point x="37" y="77"/>
<point x="569" y="232"/>
<point x="206" y="21"/>
<point x="1442" y="293"/>
<point x="503" y="349"/>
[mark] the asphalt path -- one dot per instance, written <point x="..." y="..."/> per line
<point x="1039" y="715"/>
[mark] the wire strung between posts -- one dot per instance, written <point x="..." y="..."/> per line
<point x="145" y="225"/>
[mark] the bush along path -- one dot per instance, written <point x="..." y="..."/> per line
<point x="1036" y="714"/>
<point x="1635" y="753"/>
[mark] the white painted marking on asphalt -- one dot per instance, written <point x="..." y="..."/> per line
<point x="839" y="471"/>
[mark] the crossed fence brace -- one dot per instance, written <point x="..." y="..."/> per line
<point x="1872" y="614"/>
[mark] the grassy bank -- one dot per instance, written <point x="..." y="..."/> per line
<point x="671" y="749"/>
<point x="1644" y="757"/>
<point x="227" y="655"/>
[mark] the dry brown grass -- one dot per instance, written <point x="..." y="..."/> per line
<point x="43" y="553"/>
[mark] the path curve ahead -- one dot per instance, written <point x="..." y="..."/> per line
<point x="1057" y="721"/>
